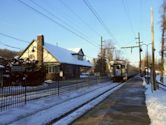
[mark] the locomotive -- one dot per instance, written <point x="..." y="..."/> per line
<point x="121" y="70"/>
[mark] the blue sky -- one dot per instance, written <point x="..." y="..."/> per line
<point x="124" y="18"/>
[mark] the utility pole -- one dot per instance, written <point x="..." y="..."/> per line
<point x="162" y="46"/>
<point x="101" y="48"/>
<point x="139" y="44"/>
<point x="131" y="47"/>
<point x="102" y="69"/>
<point x="153" y="55"/>
<point x="162" y="56"/>
<point x="147" y="56"/>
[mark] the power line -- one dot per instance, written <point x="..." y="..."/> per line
<point x="94" y="12"/>
<point x="79" y="17"/>
<point x="7" y="45"/>
<point x="140" y="50"/>
<point x="128" y="16"/>
<point x="140" y="8"/>
<point x="12" y="37"/>
<point x="56" y="22"/>
<point x="61" y="20"/>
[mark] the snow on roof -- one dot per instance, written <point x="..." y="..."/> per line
<point x="65" y="56"/>
<point x="75" y="50"/>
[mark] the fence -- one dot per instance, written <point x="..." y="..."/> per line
<point x="13" y="96"/>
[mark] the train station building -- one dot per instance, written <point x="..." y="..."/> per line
<point x="68" y="62"/>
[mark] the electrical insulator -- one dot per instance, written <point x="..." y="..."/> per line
<point x="140" y="50"/>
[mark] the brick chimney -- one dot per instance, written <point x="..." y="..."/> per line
<point x="40" y="43"/>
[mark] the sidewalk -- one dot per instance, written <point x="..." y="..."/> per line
<point x="125" y="106"/>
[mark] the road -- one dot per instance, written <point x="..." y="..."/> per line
<point x="125" y="106"/>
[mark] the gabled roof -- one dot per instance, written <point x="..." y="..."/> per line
<point x="65" y="56"/>
<point x="26" y="48"/>
<point x="77" y="51"/>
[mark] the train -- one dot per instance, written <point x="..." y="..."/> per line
<point x="121" y="70"/>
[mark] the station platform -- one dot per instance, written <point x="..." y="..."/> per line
<point x="126" y="106"/>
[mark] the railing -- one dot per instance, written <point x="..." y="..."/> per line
<point x="13" y="96"/>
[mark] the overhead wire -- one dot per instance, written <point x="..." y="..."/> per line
<point x="12" y="37"/>
<point x="141" y="15"/>
<point x="128" y="16"/>
<point x="79" y="17"/>
<point x="57" y="23"/>
<point x="14" y="47"/>
<point x="61" y="20"/>
<point x="99" y="19"/>
<point x="7" y="45"/>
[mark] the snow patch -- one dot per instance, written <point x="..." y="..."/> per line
<point x="78" y="113"/>
<point x="35" y="112"/>
<point x="56" y="111"/>
<point x="156" y="105"/>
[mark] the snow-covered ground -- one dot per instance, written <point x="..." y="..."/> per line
<point x="79" y="112"/>
<point x="156" y="105"/>
<point x="16" y="94"/>
<point x="158" y="79"/>
<point x="43" y="110"/>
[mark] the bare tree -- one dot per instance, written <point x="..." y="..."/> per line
<point x="109" y="49"/>
<point x="118" y="55"/>
<point x="8" y="54"/>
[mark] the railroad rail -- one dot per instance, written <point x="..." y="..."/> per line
<point x="20" y="96"/>
<point x="161" y="85"/>
<point x="79" y="100"/>
<point x="64" y="116"/>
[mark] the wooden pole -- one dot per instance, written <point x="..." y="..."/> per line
<point x="162" y="56"/>
<point x="162" y="47"/>
<point x="153" y="54"/>
<point x="101" y="56"/>
<point x="139" y="44"/>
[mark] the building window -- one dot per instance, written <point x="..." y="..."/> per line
<point x="80" y="57"/>
<point x="53" y="69"/>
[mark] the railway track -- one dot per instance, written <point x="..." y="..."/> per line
<point x="10" y="99"/>
<point x="7" y="92"/>
<point x="70" y="116"/>
<point x="162" y="86"/>
<point x="68" y="107"/>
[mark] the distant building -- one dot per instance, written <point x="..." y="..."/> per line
<point x="56" y="59"/>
